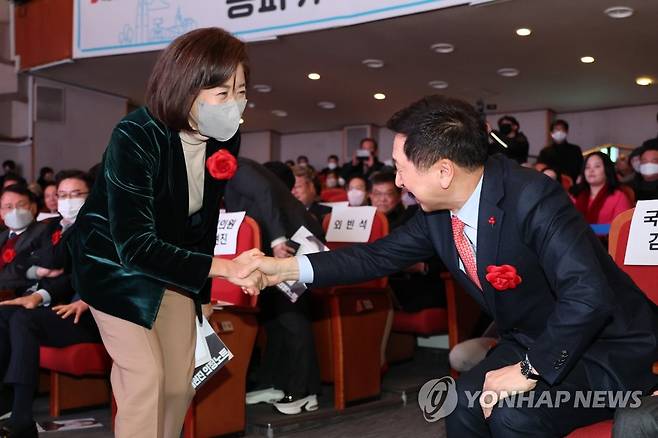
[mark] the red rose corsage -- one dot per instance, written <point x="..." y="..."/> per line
<point x="222" y="165"/>
<point x="8" y="255"/>
<point x="503" y="277"/>
<point x="56" y="237"/>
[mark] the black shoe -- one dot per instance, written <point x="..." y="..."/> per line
<point x="290" y="405"/>
<point x="28" y="430"/>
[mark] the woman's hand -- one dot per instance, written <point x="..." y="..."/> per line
<point x="241" y="271"/>
<point x="48" y="273"/>
<point x="76" y="308"/>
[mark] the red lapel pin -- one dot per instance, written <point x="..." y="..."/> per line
<point x="492" y="221"/>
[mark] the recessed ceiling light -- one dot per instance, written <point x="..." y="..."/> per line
<point x="587" y="59"/>
<point x="262" y="88"/>
<point x="251" y="104"/>
<point x="439" y="85"/>
<point x="241" y="121"/>
<point x="313" y="76"/>
<point x="508" y="72"/>
<point x="279" y="113"/>
<point x="325" y="104"/>
<point x="442" y="48"/>
<point x="373" y="63"/>
<point x="379" y="96"/>
<point x="523" y="31"/>
<point x="644" y="81"/>
<point x="619" y="12"/>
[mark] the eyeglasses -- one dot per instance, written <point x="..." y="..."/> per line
<point x="376" y="194"/>
<point x="9" y="207"/>
<point x="71" y="195"/>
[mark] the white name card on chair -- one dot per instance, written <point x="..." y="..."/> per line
<point x="642" y="247"/>
<point x="351" y="224"/>
<point x="227" y="232"/>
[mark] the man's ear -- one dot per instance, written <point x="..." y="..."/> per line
<point x="445" y="171"/>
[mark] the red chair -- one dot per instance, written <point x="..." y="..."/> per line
<point x="644" y="277"/>
<point x="333" y="195"/>
<point x="218" y="407"/>
<point x="349" y="325"/>
<point x="567" y="182"/>
<point x="78" y="376"/>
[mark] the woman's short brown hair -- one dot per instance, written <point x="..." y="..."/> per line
<point x="200" y="59"/>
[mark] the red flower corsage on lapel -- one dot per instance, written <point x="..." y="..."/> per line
<point x="222" y="165"/>
<point x="503" y="277"/>
<point x="56" y="237"/>
<point x="8" y="255"/>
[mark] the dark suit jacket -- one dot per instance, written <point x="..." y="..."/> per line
<point x="574" y="304"/>
<point x="12" y="276"/>
<point x="268" y="201"/>
<point x="133" y="236"/>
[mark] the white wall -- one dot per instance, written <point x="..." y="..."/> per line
<point x="257" y="146"/>
<point x="80" y="140"/>
<point x="317" y="146"/>
<point x="626" y="126"/>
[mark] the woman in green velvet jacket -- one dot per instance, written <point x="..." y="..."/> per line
<point x="143" y="251"/>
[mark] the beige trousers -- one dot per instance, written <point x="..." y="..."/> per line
<point x="152" y="371"/>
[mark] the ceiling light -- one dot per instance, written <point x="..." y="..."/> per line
<point x="325" y="104"/>
<point x="439" y="85"/>
<point x="241" y="121"/>
<point x="508" y="72"/>
<point x="313" y="76"/>
<point x="524" y="31"/>
<point x="262" y="88"/>
<point x="442" y="48"/>
<point x="644" y="81"/>
<point x="619" y="12"/>
<point x="587" y="59"/>
<point x="379" y="96"/>
<point x="373" y="63"/>
<point x="279" y="113"/>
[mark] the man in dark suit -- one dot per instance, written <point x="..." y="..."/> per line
<point x="18" y="207"/>
<point x="570" y="320"/>
<point x="289" y="373"/>
<point x="36" y="319"/>
<point x="306" y="190"/>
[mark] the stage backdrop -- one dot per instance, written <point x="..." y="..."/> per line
<point x="110" y="27"/>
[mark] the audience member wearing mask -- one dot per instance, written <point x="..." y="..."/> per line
<point x="289" y="375"/>
<point x="646" y="185"/>
<point x="624" y="170"/>
<point x="306" y="190"/>
<point x="517" y="143"/>
<point x="50" y="198"/>
<point x="8" y="168"/>
<point x="560" y="154"/>
<point x="53" y="315"/>
<point x="598" y="196"/>
<point x="357" y="191"/>
<point x="364" y="161"/>
<point x="333" y="165"/>
<point x="23" y="236"/>
<point x="652" y="142"/>
<point x="332" y="180"/>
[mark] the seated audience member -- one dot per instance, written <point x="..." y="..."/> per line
<point x="302" y="161"/>
<point x="598" y="196"/>
<point x="333" y="164"/>
<point x="357" y="191"/>
<point x="50" y="198"/>
<point x="638" y="422"/>
<point x="8" y="168"/>
<point x="306" y="190"/>
<point x="332" y="179"/>
<point x="646" y="185"/>
<point x="364" y="162"/>
<point x="52" y="315"/>
<point x="624" y="170"/>
<point x="517" y="143"/>
<point x="289" y="374"/>
<point x="387" y="198"/>
<point x="46" y="176"/>
<point x="560" y="154"/>
<point x="23" y="236"/>
<point x="13" y="179"/>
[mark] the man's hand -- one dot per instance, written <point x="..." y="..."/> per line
<point x="504" y="382"/>
<point x="76" y="308"/>
<point x="242" y="271"/>
<point x="278" y="270"/>
<point x="281" y="251"/>
<point x="31" y="301"/>
<point x="48" y="273"/>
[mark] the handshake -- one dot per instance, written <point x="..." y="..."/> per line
<point x="252" y="271"/>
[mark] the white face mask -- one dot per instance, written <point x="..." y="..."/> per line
<point x="69" y="208"/>
<point x="220" y="121"/>
<point x="18" y="219"/>
<point x="649" y="169"/>
<point x="356" y="197"/>
<point x="635" y="164"/>
<point x="558" y="136"/>
<point x="331" y="165"/>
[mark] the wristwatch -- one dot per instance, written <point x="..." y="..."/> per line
<point x="526" y="370"/>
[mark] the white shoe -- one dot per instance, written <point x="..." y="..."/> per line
<point x="269" y="395"/>
<point x="290" y="406"/>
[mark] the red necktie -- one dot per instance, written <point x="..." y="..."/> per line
<point x="9" y="244"/>
<point x="465" y="250"/>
